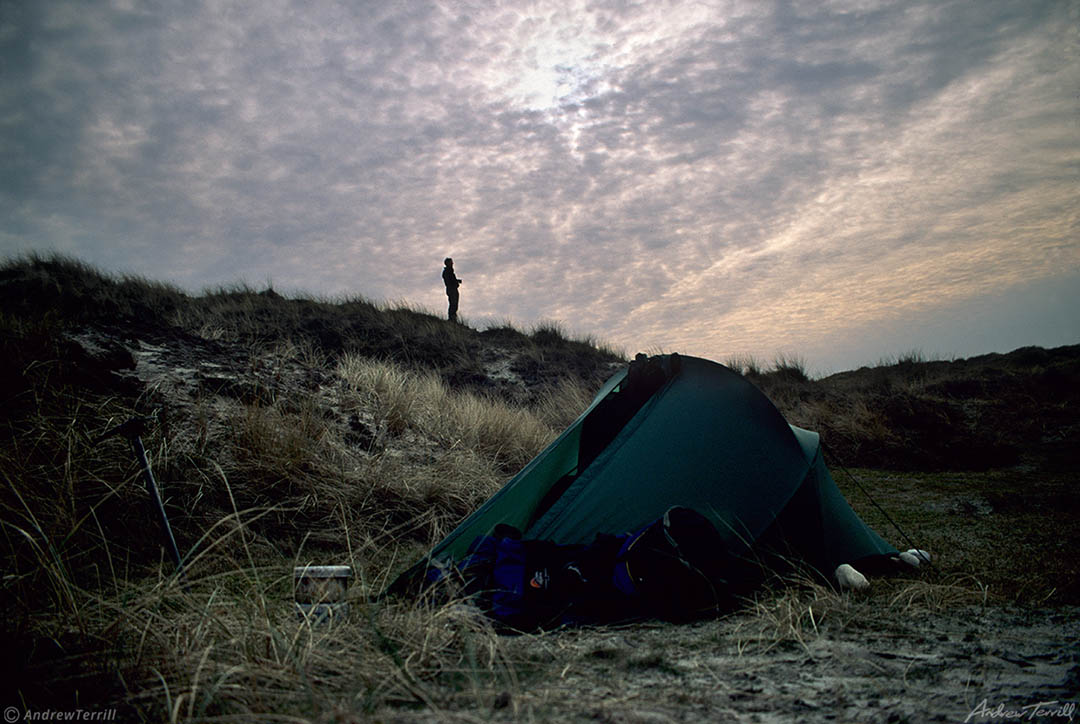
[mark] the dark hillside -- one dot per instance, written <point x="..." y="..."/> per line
<point x="992" y="411"/>
<point x="987" y="412"/>
<point x="44" y="296"/>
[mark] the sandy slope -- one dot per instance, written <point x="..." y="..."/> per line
<point x="972" y="664"/>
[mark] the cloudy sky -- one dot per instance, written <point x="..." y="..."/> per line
<point x="840" y="181"/>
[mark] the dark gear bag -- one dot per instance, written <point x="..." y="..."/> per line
<point x="676" y="567"/>
<point x="672" y="568"/>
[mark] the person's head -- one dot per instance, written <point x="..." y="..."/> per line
<point x="448" y="261"/>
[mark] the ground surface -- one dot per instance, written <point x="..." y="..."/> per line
<point x="937" y="668"/>
<point x="969" y="664"/>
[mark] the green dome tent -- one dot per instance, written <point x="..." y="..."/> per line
<point x="676" y="431"/>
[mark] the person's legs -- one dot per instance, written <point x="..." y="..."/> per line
<point x="452" y="312"/>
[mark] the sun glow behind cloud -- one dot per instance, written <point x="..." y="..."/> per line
<point x="547" y="55"/>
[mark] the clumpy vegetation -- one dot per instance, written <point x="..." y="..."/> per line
<point x="293" y="431"/>
<point x="910" y="413"/>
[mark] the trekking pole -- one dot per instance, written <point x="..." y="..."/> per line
<point x="133" y="430"/>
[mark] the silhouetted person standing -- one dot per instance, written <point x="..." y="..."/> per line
<point x="452" y="283"/>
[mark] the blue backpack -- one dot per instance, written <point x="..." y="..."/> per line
<point x="671" y="568"/>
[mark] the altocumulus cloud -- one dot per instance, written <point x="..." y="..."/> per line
<point x="841" y="180"/>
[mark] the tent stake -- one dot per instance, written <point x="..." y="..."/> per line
<point x="132" y="430"/>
